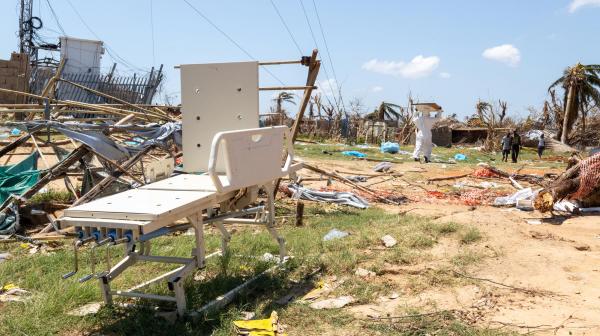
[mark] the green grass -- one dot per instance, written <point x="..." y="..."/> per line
<point x="58" y="196"/>
<point x="44" y="313"/>
<point x="527" y="155"/>
<point x="470" y="236"/>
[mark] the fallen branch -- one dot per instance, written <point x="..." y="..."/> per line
<point x="443" y="178"/>
<point x="524" y="290"/>
<point x="344" y="180"/>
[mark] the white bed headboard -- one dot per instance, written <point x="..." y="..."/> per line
<point x="251" y="156"/>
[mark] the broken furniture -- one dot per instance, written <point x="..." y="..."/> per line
<point x="251" y="159"/>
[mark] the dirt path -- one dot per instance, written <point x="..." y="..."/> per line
<point x="552" y="268"/>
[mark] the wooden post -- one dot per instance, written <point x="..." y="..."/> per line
<point x="299" y="213"/>
<point x="313" y="72"/>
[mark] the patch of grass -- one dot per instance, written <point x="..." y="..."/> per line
<point x="466" y="258"/>
<point x="420" y="241"/>
<point x="470" y="236"/>
<point x="58" y="196"/>
<point x="443" y="323"/>
<point x="363" y="290"/>
<point x="474" y="156"/>
<point x="447" y="228"/>
<point x="402" y="256"/>
<point x="45" y="311"/>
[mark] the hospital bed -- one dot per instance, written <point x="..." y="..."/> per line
<point x="252" y="159"/>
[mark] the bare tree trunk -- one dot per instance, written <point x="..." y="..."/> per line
<point x="568" y="111"/>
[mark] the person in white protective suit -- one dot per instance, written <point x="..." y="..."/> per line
<point x="423" y="145"/>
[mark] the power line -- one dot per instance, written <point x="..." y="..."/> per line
<point x="56" y="18"/>
<point x="327" y="49"/>
<point x="317" y="46"/>
<point x="229" y="38"/>
<point x="113" y="54"/>
<point x="152" y="32"/>
<point x="286" y="27"/>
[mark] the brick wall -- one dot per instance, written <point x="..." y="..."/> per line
<point x="14" y="75"/>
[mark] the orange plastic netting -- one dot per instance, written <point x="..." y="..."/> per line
<point x="589" y="177"/>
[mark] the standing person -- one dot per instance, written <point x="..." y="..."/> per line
<point x="506" y="143"/>
<point x="423" y="143"/>
<point x="541" y="146"/>
<point x="516" y="146"/>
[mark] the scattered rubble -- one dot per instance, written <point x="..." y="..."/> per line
<point x="388" y="241"/>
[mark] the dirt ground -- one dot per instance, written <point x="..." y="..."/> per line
<point x="540" y="277"/>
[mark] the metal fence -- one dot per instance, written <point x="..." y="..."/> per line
<point x="133" y="89"/>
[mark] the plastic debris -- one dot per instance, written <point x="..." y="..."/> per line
<point x="534" y="222"/>
<point x="525" y="205"/>
<point x="341" y="197"/>
<point x="390" y="147"/>
<point x="322" y="288"/>
<point x="357" y="178"/>
<point x="523" y="194"/>
<point x="12" y="293"/>
<point x="383" y="167"/>
<point x="5" y="256"/>
<point x="332" y="303"/>
<point x="268" y="257"/>
<point x="460" y="157"/>
<point x="265" y="327"/>
<point x="87" y="309"/>
<point x="354" y="154"/>
<point x="15" y="132"/>
<point x="364" y="273"/>
<point x="388" y="241"/>
<point x="335" y="234"/>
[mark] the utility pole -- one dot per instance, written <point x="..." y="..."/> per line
<point x="27" y="26"/>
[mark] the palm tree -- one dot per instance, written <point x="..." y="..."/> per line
<point x="283" y="97"/>
<point x="580" y="83"/>
<point x="389" y="110"/>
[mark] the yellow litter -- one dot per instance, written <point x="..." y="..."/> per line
<point x="266" y="327"/>
<point x="7" y="287"/>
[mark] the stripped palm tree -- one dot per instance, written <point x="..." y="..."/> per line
<point x="581" y="84"/>
<point x="389" y="111"/>
<point x="283" y="97"/>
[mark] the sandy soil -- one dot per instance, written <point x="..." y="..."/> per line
<point x="554" y="267"/>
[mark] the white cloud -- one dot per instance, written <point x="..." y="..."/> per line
<point x="506" y="53"/>
<point x="445" y="75"/>
<point x="377" y="88"/>
<point x="328" y="87"/>
<point x="577" y="4"/>
<point x="418" y="67"/>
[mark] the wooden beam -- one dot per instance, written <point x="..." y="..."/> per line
<point x="285" y="88"/>
<point x="313" y="72"/>
<point x="280" y="62"/>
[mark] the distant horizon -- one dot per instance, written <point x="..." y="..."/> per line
<point x="449" y="53"/>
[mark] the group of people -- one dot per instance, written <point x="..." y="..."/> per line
<point x="511" y="145"/>
<point x="511" y="142"/>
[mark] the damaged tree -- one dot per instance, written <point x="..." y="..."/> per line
<point x="581" y="84"/>
<point x="580" y="182"/>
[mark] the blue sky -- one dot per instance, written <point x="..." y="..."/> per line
<point x="450" y="52"/>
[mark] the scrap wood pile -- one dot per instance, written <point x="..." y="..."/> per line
<point x="484" y="193"/>
<point x="99" y="149"/>
<point x="357" y="196"/>
<point x="580" y="182"/>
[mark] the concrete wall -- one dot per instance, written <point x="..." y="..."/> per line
<point x="14" y="75"/>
